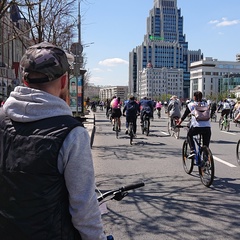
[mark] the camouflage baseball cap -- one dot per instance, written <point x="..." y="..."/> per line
<point x="46" y="59"/>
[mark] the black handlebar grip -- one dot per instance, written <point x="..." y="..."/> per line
<point x="132" y="186"/>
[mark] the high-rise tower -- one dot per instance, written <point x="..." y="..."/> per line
<point x="164" y="45"/>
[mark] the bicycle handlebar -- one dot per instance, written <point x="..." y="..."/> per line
<point x="131" y="187"/>
<point x="120" y="193"/>
<point x="180" y="126"/>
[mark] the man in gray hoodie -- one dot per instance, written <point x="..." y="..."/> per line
<point x="47" y="182"/>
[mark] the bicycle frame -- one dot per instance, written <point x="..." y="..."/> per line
<point x="197" y="147"/>
<point x="203" y="159"/>
<point x="224" y="123"/>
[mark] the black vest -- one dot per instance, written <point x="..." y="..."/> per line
<point x="33" y="196"/>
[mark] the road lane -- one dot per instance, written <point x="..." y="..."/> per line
<point x="172" y="204"/>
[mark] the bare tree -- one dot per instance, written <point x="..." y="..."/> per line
<point x="4" y="7"/>
<point x="51" y="20"/>
<point x="47" y="20"/>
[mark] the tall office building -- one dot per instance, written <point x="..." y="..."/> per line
<point x="164" y="46"/>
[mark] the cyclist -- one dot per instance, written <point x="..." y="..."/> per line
<point x="116" y="111"/>
<point x="225" y="106"/>
<point x="236" y="111"/>
<point x="159" y="107"/>
<point x="213" y="108"/>
<point x="146" y="107"/>
<point x="174" y="109"/>
<point x="107" y="104"/>
<point x="93" y="106"/>
<point x="196" y="127"/>
<point x="132" y="109"/>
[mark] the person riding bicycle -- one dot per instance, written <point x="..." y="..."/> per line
<point x="132" y="109"/>
<point x="236" y="111"/>
<point x="174" y="109"/>
<point x="225" y="107"/>
<point x="159" y="107"/>
<point x="213" y="108"/>
<point x="116" y="110"/>
<point x="146" y="108"/>
<point x="196" y="126"/>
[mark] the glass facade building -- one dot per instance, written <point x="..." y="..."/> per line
<point x="164" y="45"/>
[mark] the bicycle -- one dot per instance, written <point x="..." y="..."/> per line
<point x="116" y="126"/>
<point x="174" y="130"/>
<point x="130" y="130"/>
<point x="159" y="112"/>
<point x="224" y="123"/>
<point x="145" y="124"/>
<point x="203" y="159"/>
<point x="117" y="194"/>
<point x="238" y="152"/>
<point x="213" y="116"/>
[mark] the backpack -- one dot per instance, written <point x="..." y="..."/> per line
<point x="131" y="109"/>
<point x="202" y="113"/>
<point x="175" y="111"/>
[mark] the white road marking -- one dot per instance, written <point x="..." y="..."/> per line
<point x="229" y="133"/>
<point x="165" y="133"/>
<point x="224" y="162"/>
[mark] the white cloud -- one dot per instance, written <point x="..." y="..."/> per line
<point x="97" y="70"/>
<point x="213" y="21"/>
<point x="96" y="80"/>
<point x="224" y="22"/>
<point x="110" y="62"/>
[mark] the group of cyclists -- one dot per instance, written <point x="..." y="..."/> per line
<point x="132" y="108"/>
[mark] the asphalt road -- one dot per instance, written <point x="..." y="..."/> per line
<point x="172" y="204"/>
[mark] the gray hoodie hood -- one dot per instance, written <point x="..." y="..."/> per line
<point x="28" y="104"/>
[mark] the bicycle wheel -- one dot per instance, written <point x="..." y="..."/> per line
<point x="131" y="133"/>
<point x="220" y="124"/>
<point x="116" y="127"/>
<point x="238" y="152"/>
<point x="147" y="126"/>
<point x="169" y="128"/>
<point x="187" y="162"/>
<point x="228" y="126"/>
<point x="177" y="132"/>
<point x="206" y="167"/>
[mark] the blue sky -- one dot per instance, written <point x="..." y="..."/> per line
<point x="117" y="27"/>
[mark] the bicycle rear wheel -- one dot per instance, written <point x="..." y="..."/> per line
<point x="177" y="132"/>
<point x="238" y="152"/>
<point x="169" y="128"/>
<point x="220" y="124"/>
<point x="187" y="162"/>
<point x="131" y="134"/>
<point x="147" y="126"/>
<point x="116" y="127"/>
<point x="206" y="167"/>
<point x="228" y="126"/>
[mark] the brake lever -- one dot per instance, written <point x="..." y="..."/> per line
<point x="118" y="196"/>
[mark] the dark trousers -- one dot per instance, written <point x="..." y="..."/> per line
<point x="225" y="112"/>
<point x="204" y="131"/>
<point x="132" y="119"/>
